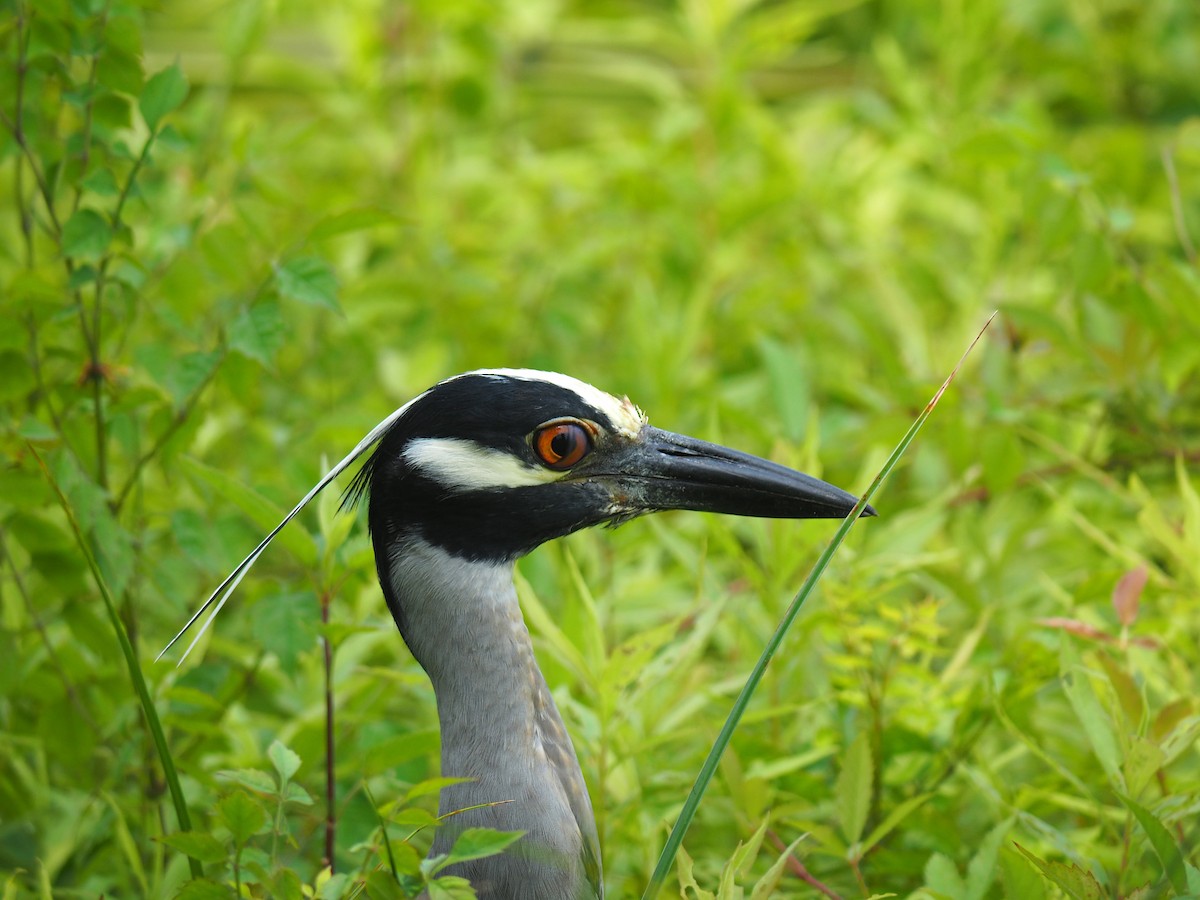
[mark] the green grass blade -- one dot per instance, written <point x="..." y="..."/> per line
<point x="709" y="768"/>
<point x="131" y="660"/>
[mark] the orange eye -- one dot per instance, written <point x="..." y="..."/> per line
<point x="562" y="444"/>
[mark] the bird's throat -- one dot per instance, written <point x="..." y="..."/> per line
<point x="499" y="724"/>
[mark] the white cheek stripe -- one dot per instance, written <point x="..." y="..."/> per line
<point x="462" y="465"/>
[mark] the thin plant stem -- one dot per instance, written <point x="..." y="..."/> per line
<point x="25" y="213"/>
<point x="92" y="333"/>
<point x="131" y="661"/>
<point x="1177" y="213"/>
<point x="797" y="868"/>
<point x="387" y="843"/>
<point x="708" y="770"/>
<point x="330" y="783"/>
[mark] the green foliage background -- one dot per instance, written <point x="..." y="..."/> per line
<point x="235" y="235"/>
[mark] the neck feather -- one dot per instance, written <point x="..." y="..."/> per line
<point x="500" y="726"/>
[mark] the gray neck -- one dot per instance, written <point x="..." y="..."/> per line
<point x="500" y="726"/>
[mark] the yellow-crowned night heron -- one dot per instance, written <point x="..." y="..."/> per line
<point x="464" y="480"/>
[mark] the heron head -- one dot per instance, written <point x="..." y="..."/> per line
<point x="490" y="464"/>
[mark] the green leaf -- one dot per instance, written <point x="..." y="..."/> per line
<point x="1164" y="845"/>
<point x="255" y="779"/>
<point x="285" y="760"/>
<point x="351" y="220"/>
<point x="179" y="375"/>
<point x="33" y="429"/>
<point x="198" y="845"/>
<point x="125" y="842"/>
<point x="86" y="235"/>
<point x="1142" y="762"/>
<point x="307" y="279"/>
<point x="742" y="859"/>
<point x="286" y="885"/>
<point x="1091" y="715"/>
<point x="287" y="625"/>
<point x="476" y="843"/>
<point x="163" y="93"/>
<point x="261" y="511"/>
<point x="766" y="886"/>
<point x="37" y="292"/>
<point x="894" y="818"/>
<point x="16" y="378"/>
<point x="258" y="332"/>
<point x="380" y="885"/>
<point x="685" y="868"/>
<point x="296" y="794"/>
<point x="1129" y="695"/>
<point x="242" y="815"/>
<point x="101" y="181"/>
<point x="203" y="889"/>
<point x="790" y="386"/>
<point x="450" y="887"/>
<point x="1019" y="879"/>
<point x="1077" y="882"/>
<point x="942" y="876"/>
<point x="981" y="870"/>
<point x="854" y="788"/>
<point x="334" y="887"/>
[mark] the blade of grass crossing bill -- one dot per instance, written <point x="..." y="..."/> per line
<point x="688" y="812"/>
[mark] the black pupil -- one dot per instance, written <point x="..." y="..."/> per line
<point x="563" y="443"/>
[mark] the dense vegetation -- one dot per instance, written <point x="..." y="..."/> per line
<point x="236" y="235"/>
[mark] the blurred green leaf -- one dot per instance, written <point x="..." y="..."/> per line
<point x="982" y="869"/>
<point x="942" y="876"/>
<point x="261" y="511"/>
<point x="258" y="332"/>
<point x="164" y="92"/>
<point x="380" y="884"/>
<point x="16" y="379"/>
<point x="450" y="887"/>
<point x="242" y="815"/>
<point x="203" y="889"/>
<point x="101" y="182"/>
<point x="287" y="625"/>
<point x="894" y="818"/>
<point x="854" y="787"/>
<point x="256" y="780"/>
<point x="789" y="382"/>
<point x="285" y="761"/>
<point x="477" y="843"/>
<point x="297" y="794"/>
<point x="351" y="221"/>
<point x="1164" y="845"/>
<point x="197" y="845"/>
<point x="1089" y="712"/>
<point x="86" y="235"/>
<point x="1073" y="880"/>
<point x="309" y="280"/>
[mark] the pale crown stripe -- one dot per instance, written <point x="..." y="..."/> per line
<point x="625" y="417"/>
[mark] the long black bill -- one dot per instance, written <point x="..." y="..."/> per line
<point x="663" y="470"/>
